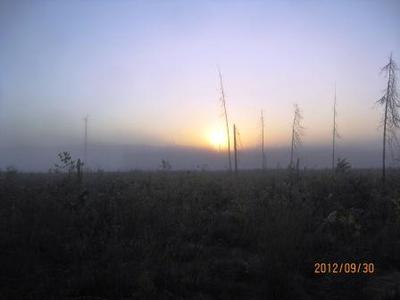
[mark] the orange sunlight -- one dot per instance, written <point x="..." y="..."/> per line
<point x="217" y="139"/>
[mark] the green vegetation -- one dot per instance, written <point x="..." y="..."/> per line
<point x="198" y="235"/>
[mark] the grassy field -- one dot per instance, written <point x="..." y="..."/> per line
<point x="198" y="235"/>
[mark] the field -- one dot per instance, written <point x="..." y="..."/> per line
<point x="198" y="235"/>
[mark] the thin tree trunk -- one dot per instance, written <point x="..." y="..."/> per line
<point x="334" y="134"/>
<point x="385" y="127"/>
<point x="85" y="143"/>
<point x="229" y="143"/>
<point x="384" y="143"/>
<point x="226" y="121"/>
<point x="291" y="152"/>
<point x="262" y="141"/>
<point x="235" y="147"/>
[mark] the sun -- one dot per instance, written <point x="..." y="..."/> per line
<point x="217" y="139"/>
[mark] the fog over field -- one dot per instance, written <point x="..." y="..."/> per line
<point x="129" y="157"/>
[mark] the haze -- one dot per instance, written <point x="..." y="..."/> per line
<point x="146" y="74"/>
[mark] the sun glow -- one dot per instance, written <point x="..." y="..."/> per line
<point x="217" y="139"/>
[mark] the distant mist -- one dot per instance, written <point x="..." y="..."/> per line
<point x="145" y="157"/>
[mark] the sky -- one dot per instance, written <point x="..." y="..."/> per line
<point x="145" y="72"/>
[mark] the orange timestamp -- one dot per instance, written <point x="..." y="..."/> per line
<point x="344" y="268"/>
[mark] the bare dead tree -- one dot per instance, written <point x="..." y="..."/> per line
<point x="264" y="165"/>
<point x="235" y="148"/>
<point x="391" y="117"/>
<point x="335" y="133"/>
<point x="223" y="102"/>
<point x="85" y="119"/>
<point x="297" y="132"/>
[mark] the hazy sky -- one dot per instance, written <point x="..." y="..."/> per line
<point x="146" y="72"/>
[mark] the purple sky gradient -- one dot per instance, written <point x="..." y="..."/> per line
<point x="146" y="73"/>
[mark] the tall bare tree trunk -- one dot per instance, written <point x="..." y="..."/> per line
<point x="264" y="165"/>
<point x="292" y="147"/>
<point x="391" y="117"/>
<point x="334" y="134"/>
<point x="85" y="142"/>
<point x="384" y="135"/>
<point x="226" y="120"/>
<point x="235" y="147"/>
